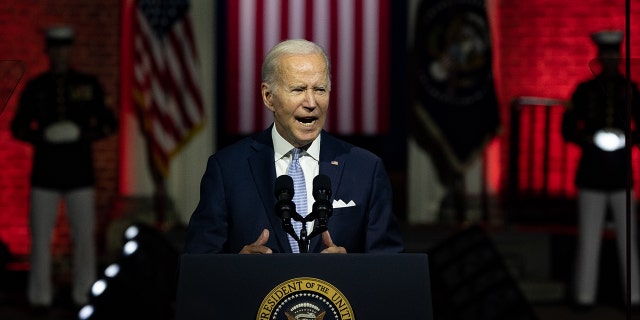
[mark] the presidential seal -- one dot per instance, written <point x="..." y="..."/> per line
<point x="305" y="299"/>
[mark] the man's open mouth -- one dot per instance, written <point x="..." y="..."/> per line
<point x="307" y="121"/>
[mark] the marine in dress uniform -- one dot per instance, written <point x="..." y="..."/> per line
<point x="595" y="120"/>
<point x="61" y="113"/>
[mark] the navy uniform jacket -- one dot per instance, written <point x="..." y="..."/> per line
<point x="597" y="104"/>
<point x="49" y="98"/>
<point x="237" y="200"/>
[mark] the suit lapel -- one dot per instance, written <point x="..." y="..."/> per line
<point x="262" y="167"/>
<point x="330" y="164"/>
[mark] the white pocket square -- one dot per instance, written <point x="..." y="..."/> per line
<point x="341" y="204"/>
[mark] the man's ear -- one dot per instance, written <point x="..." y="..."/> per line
<point x="267" y="96"/>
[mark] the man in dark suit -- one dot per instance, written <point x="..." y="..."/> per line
<point x="236" y="212"/>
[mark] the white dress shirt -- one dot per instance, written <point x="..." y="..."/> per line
<point x="308" y="161"/>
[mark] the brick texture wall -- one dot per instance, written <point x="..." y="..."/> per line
<point x="96" y="51"/>
<point x="544" y="50"/>
<point x="545" y="46"/>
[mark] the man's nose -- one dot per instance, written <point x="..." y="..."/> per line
<point x="310" y="99"/>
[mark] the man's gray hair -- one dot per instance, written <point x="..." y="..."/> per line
<point x="289" y="47"/>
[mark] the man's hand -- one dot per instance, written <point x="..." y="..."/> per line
<point x="331" y="247"/>
<point x="258" y="247"/>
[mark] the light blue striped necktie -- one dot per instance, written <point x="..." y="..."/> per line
<point x="299" y="193"/>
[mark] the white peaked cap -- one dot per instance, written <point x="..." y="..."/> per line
<point x="60" y="35"/>
<point x="607" y="37"/>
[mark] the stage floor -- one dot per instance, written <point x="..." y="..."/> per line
<point x="537" y="257"/>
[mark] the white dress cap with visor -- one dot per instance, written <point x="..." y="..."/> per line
<point x="608" y="39"/>
<point x="60" y="35"/>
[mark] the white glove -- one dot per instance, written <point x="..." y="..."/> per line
<point x="62" y="132"/>
<point x="609" y="139"/>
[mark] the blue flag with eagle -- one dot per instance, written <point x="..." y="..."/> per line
<point x="455" y="111"/>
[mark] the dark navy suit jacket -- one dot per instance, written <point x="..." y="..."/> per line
<point x="237" y="200"/>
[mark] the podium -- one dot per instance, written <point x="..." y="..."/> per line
<point x="304" y="286"/>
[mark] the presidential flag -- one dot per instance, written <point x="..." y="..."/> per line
<point x="456" y="112"/>
<point x="355" y="35"/>
<point x="166" y="83"/>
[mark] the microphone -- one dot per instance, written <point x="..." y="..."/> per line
<point x="322" y="207"/>
<point x="285" y="208"/>
<point x="321" y="187"/>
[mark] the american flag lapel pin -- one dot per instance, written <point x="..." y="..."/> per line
<point x="335" y="163"/>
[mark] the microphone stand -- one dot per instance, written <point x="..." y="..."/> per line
<point x="303" y="243"/>
<point x="319" y="227"/>
<point x="303" y="239"/>
<point x="286" y="210"/>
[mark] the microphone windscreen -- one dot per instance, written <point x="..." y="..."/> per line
<point x="284" y="184"/>
<point x="321" y="182"/>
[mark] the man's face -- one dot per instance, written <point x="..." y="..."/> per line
<point x="299" y="100"/>
<point x="610" y="61"/>
<point x="59" y="57"/>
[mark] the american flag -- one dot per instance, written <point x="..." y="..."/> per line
<point x="166" y="83"/>
<point x="355" y="35"/>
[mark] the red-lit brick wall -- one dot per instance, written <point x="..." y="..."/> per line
<point x="545" y="46"/>
<point x="543" y="50"/>
<point x="96" y="51"/>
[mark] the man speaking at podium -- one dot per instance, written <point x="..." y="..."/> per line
<point x="238" y="210"/>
